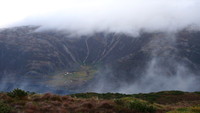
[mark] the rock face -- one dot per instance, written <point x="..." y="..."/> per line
<point x="24" y="51"/>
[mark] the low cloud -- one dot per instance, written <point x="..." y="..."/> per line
<point x="120" y="16"/>
<point x="85" y="17"/>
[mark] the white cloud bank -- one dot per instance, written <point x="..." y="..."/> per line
<point x="88" y="16"/>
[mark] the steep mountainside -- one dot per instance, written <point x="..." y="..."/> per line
<point x="26" y="52"/>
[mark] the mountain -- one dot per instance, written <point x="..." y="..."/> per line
<point x="112" y="59"/>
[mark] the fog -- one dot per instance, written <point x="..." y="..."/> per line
<point x="130" y="17"/>
<point x="166" y="70"/>
<point x="120" y="16"/>
<point x="155" y="79"/>
<point x="158" y="79"/>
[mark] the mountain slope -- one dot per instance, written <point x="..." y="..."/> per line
<point x="28" y="53"/>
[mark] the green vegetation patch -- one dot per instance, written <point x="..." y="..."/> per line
<point x="141" y="106"/>
<point x="150" y="97"/>
<point x="136" y="104"/>
<point x="171" y="93"/>
<point x="17" y="93"/>
<point x="73" y="78"/>
<point x="4" y="108"/>
<point x="193" y="109"/>
<point x="100" y="96"/>
<point x="197" y="92"/>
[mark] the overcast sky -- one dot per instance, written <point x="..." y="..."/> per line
<point x="87" y="16"/>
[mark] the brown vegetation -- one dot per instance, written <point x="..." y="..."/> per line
<point x="119" y="103"/>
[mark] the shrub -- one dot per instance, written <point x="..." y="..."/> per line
<point x="141" y="106"/>
<point x="136" y="104"/>
<point x="151" y="97"/>
<point x="182" y="109"/>
<point x="119" y="102"/>
<point x="56" y="98"/>
<point x="195" y="109"/>
<point x="176" y="92"/>
<point x="197" y="92"/>
<point x="100" y="96"/>
<point x="17" y="93"/>
<point x="4" y="108"/>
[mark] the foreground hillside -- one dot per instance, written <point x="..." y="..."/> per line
<point x="19" y="101"/>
